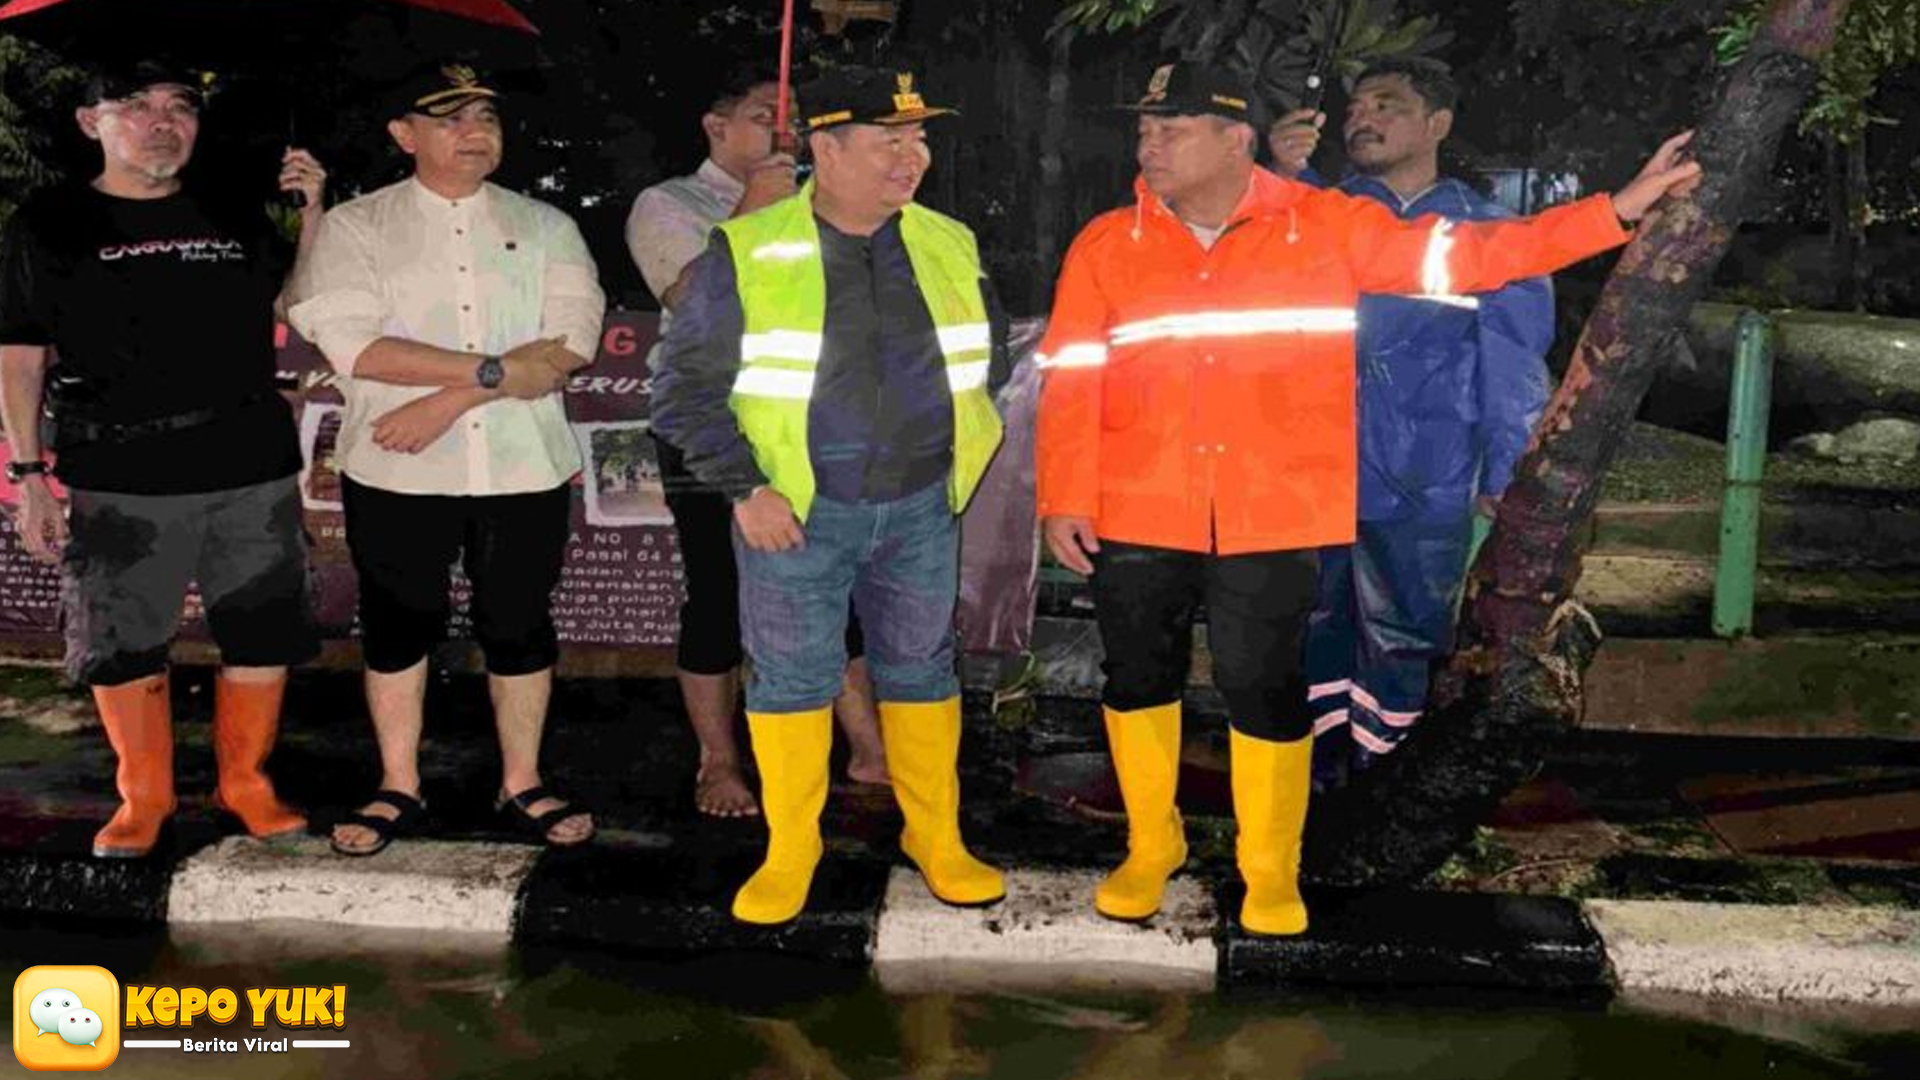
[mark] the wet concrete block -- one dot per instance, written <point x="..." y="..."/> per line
<point x="1045" y="932"/>
<point x="1785" y="953"/>
<point x="64" y="885"/>
<point x="1419" y="939"/>
<point x="442" y="885"/>
<point x="675" y="901"/>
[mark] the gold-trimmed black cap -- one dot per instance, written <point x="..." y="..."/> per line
<point x="1186" y="88"/>
<point x="865" y="96"/>
<point x="440" y="89"/>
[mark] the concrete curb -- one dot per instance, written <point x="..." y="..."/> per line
<point x="652" y="898"/>
<point x="1045" y="930"/>
<point x="1858" y="955"/>
<point x="443" y="886"/>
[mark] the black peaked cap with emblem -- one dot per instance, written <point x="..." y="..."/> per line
<point x="440" y="89"/>
<point x="1186" y="88"/>
<point x="865" y="96"/>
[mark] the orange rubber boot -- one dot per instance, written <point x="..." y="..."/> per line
<point x="246" y="719"/>
<point x="139" y="722"/>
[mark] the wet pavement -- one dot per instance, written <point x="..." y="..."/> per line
<point x="1613" y="815"/>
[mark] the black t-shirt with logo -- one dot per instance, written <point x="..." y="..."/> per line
<point x="155" y="308"/>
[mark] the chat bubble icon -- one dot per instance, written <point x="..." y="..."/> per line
<point x="48" y="1006"/>
<point x="81" y="1027"/>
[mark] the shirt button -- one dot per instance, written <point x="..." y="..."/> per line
<point x="1209" y="358"/>
<point x="1205" y="274"/>
<point x="475" y="425"/>
<point x="1220" y="448"/>
<point x="459" y="232"/>
<point x="1201" y="449"/>
<point x="469" y="307"/>
<point x="471" y="345"/>
<point x="463" y="269"/>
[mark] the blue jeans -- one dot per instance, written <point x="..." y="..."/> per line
<point x="899" y="561"/>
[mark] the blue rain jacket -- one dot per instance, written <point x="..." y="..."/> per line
<point x="1449" y="387"/>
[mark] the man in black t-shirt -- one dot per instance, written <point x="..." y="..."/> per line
<point x="179" y="456"/>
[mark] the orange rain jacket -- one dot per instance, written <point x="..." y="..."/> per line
<point x="1203" y="400"/>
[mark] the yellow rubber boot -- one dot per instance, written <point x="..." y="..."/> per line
<point x="790" y="750"/>
<point x="139" y="720"/>
<point x="246" y="720"/>
<point x="923" y="752"/>
<point x="1146" y="757"/>
<point x="1271" y="781"/>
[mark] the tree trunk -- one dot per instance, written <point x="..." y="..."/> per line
<point x="1050" y="207"/>
<point x="1855" y="171"/>
<point x="1844" y="256"/>
<point x="1514" y="682"/>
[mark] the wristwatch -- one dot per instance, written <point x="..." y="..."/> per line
<point x="20" y="470"/>
<point x="491" y="372"/>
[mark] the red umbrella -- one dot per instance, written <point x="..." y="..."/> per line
<point x="273" y="35"/>
<point x="496" y="12"/>
<point x="288" y="46"/>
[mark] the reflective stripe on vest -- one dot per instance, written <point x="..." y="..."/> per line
<point x="783" y="296"/>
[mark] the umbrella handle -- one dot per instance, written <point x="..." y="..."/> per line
<point x="783" y="137"/>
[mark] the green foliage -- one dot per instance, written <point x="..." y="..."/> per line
<point x="1877" y="37"/>
<point x="32" y="83"/>
<point x="1275" y="42"/>
<point x="1109" y="16"/>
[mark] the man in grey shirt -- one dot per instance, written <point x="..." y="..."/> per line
<point x="667" y="229"/>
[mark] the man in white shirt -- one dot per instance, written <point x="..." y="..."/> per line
<point x="454" y="311"/>
<point x="667" y="229"/>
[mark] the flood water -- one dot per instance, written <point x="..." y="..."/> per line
<point x="426" y="1006"/>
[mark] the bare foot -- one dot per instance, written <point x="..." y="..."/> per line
<point x="869" y="768"/>
<point x="721" y="791"/>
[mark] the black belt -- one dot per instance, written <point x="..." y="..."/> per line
<point x="71" y="430"/>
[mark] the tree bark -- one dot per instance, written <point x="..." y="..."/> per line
<point x="1514" y="682"/>
<point x="1050" y="204"/>
<point x="1855" y="284"/>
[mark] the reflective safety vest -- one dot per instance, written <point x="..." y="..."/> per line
<point x="783" y="295"/>
<point x="1203" y="400"/>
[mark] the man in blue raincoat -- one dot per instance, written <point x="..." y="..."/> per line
<point x="1449" y="390"/>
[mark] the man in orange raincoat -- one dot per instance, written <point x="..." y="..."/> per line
<point x="1197" y="442"/>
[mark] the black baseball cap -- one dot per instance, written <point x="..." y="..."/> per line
<point x="865" y="96"/>
<point x="440" y="89"/>
<point x="115" y="81"/>
<point x="1187" y="88"/>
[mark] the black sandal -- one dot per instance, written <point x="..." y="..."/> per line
<point x="536" y="827"/>
<point x="406" y="822"/>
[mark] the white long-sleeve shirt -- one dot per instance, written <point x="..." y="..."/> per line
<point x="479" y="275"/>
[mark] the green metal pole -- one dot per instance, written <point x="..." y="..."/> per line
<point x="1748" y="403"/>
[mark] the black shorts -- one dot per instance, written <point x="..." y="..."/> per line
<point x="511" y="547"/>
<point x="129" y="558"/>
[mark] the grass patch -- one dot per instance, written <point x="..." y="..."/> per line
<point x="35" y="683"/>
